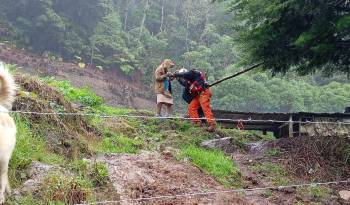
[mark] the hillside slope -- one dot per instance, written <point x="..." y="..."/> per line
<point x="58" y="157"/>
<point x="115" y="87"/>
<point x="72" y="159"/>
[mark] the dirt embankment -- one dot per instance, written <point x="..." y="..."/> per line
<point x="65" y="135"/>
<point x="116" y="88"/>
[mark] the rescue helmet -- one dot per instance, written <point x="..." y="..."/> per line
<point x="182" y="70"/>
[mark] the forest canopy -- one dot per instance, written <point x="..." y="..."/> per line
<point x="306" y="36"/>
<point x="217" y="37"/>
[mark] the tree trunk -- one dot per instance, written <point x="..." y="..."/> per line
<point x="188" y="19"/>
<point x="92" y="55"/>
<point x="204" y="40"/>
<point x="126" y="13"/>
<point x="175" y="7"/>
<point x="147" y="6"/>
<point x="162" y="19"/>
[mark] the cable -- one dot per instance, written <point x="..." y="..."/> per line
<point x="167" y="197"/>
<point x="170" y="118"/>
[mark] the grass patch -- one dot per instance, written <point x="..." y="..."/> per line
<point x="105" y="109"/>
<point x="24" y="200"/>
<point x="28" y="148"/>
<point x="314" y="191"/>
<point x="82" y="95"/>
<point x="60" y="189"/>
<point x="96" y="172"/>
<point x="242" y="138"/>
<point x="119" y="144"/>
<point x="99" y="174"/>
<point x="215" y="163"/>
<point x="268" y="194"/>
<point x="274" y="152"/>
<point x="274" y="172"/>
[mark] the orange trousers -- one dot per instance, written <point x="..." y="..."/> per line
<point x="203" y="101"/>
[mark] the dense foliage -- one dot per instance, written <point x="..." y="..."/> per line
<point x="260" y="92"/>
<point x="134" y="35"/>
<point x="304" y="35"/>
<point x="123" y="34"/>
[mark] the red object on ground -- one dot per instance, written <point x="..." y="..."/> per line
<point x="240" y="125"/>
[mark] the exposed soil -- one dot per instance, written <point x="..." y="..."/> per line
<point x="151" y="174"/>
<point x="319" y="158"/>
<point x="255" y="153"/>
<point x="67" y="135"/>
<point x="116" y="88"/>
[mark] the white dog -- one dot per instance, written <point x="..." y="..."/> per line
<point x="7" y="128"/>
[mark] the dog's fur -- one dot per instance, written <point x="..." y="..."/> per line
<point x="7" y="128"/>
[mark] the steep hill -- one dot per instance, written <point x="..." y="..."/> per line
<point x="74" y="159"/>
<point x="115" y="87"/>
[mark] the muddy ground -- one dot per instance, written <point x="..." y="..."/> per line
<point x="151" y="174"/>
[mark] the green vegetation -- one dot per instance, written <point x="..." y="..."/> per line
<point x="61" y="189"/>
<point x="241" y="138"/>
<point x="82" y="95"/>
<point x="273" y="172"/>
<point x="119" y="144"/>
<point x="133" y="36"/>
<point x="302" y="35"/>
<point x="96" y="172"/>
<point x="215" y="163"/>
<point x="274" y="152"/>
<point x="314" y="192"/>
<point x="260" y="92"/>
<point x="29" y="148"/>
<point x="99" y="174"/>
<point x="268" y="194"/>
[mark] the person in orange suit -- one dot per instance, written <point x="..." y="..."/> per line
<point x="199" y="89"/>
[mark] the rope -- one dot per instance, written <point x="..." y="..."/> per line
<point x="167" y="197"/>
<point x="170" y="118"/>
<point x="184" y="118"/>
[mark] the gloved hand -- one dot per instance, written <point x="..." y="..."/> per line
<point x="169" y="75"/>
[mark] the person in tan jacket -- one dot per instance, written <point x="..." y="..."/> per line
<point x="163" y="87"/>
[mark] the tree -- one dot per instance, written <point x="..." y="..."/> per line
<point x="303" y="35"/>
<point x="108" y="41"/>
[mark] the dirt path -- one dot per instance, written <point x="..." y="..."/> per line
<point x="151" y="174"/>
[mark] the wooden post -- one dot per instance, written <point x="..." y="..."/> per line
<point x="291" y="126"/>
<point x="299" y="127"/>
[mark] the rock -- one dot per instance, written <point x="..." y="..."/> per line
<point x="169" y="152"/>
<point x="257" y="147"/>
<point x="225" y="144"/>
<point x="36" y="174"/>
<point x="345" y="195"/>
<point x="78" y="106"/>
<point x="288" y="190"/>
<point x="311" y="171"/>
<point x="39" y="168"/>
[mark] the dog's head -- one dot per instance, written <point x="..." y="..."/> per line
<point x="8" y="87"/>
